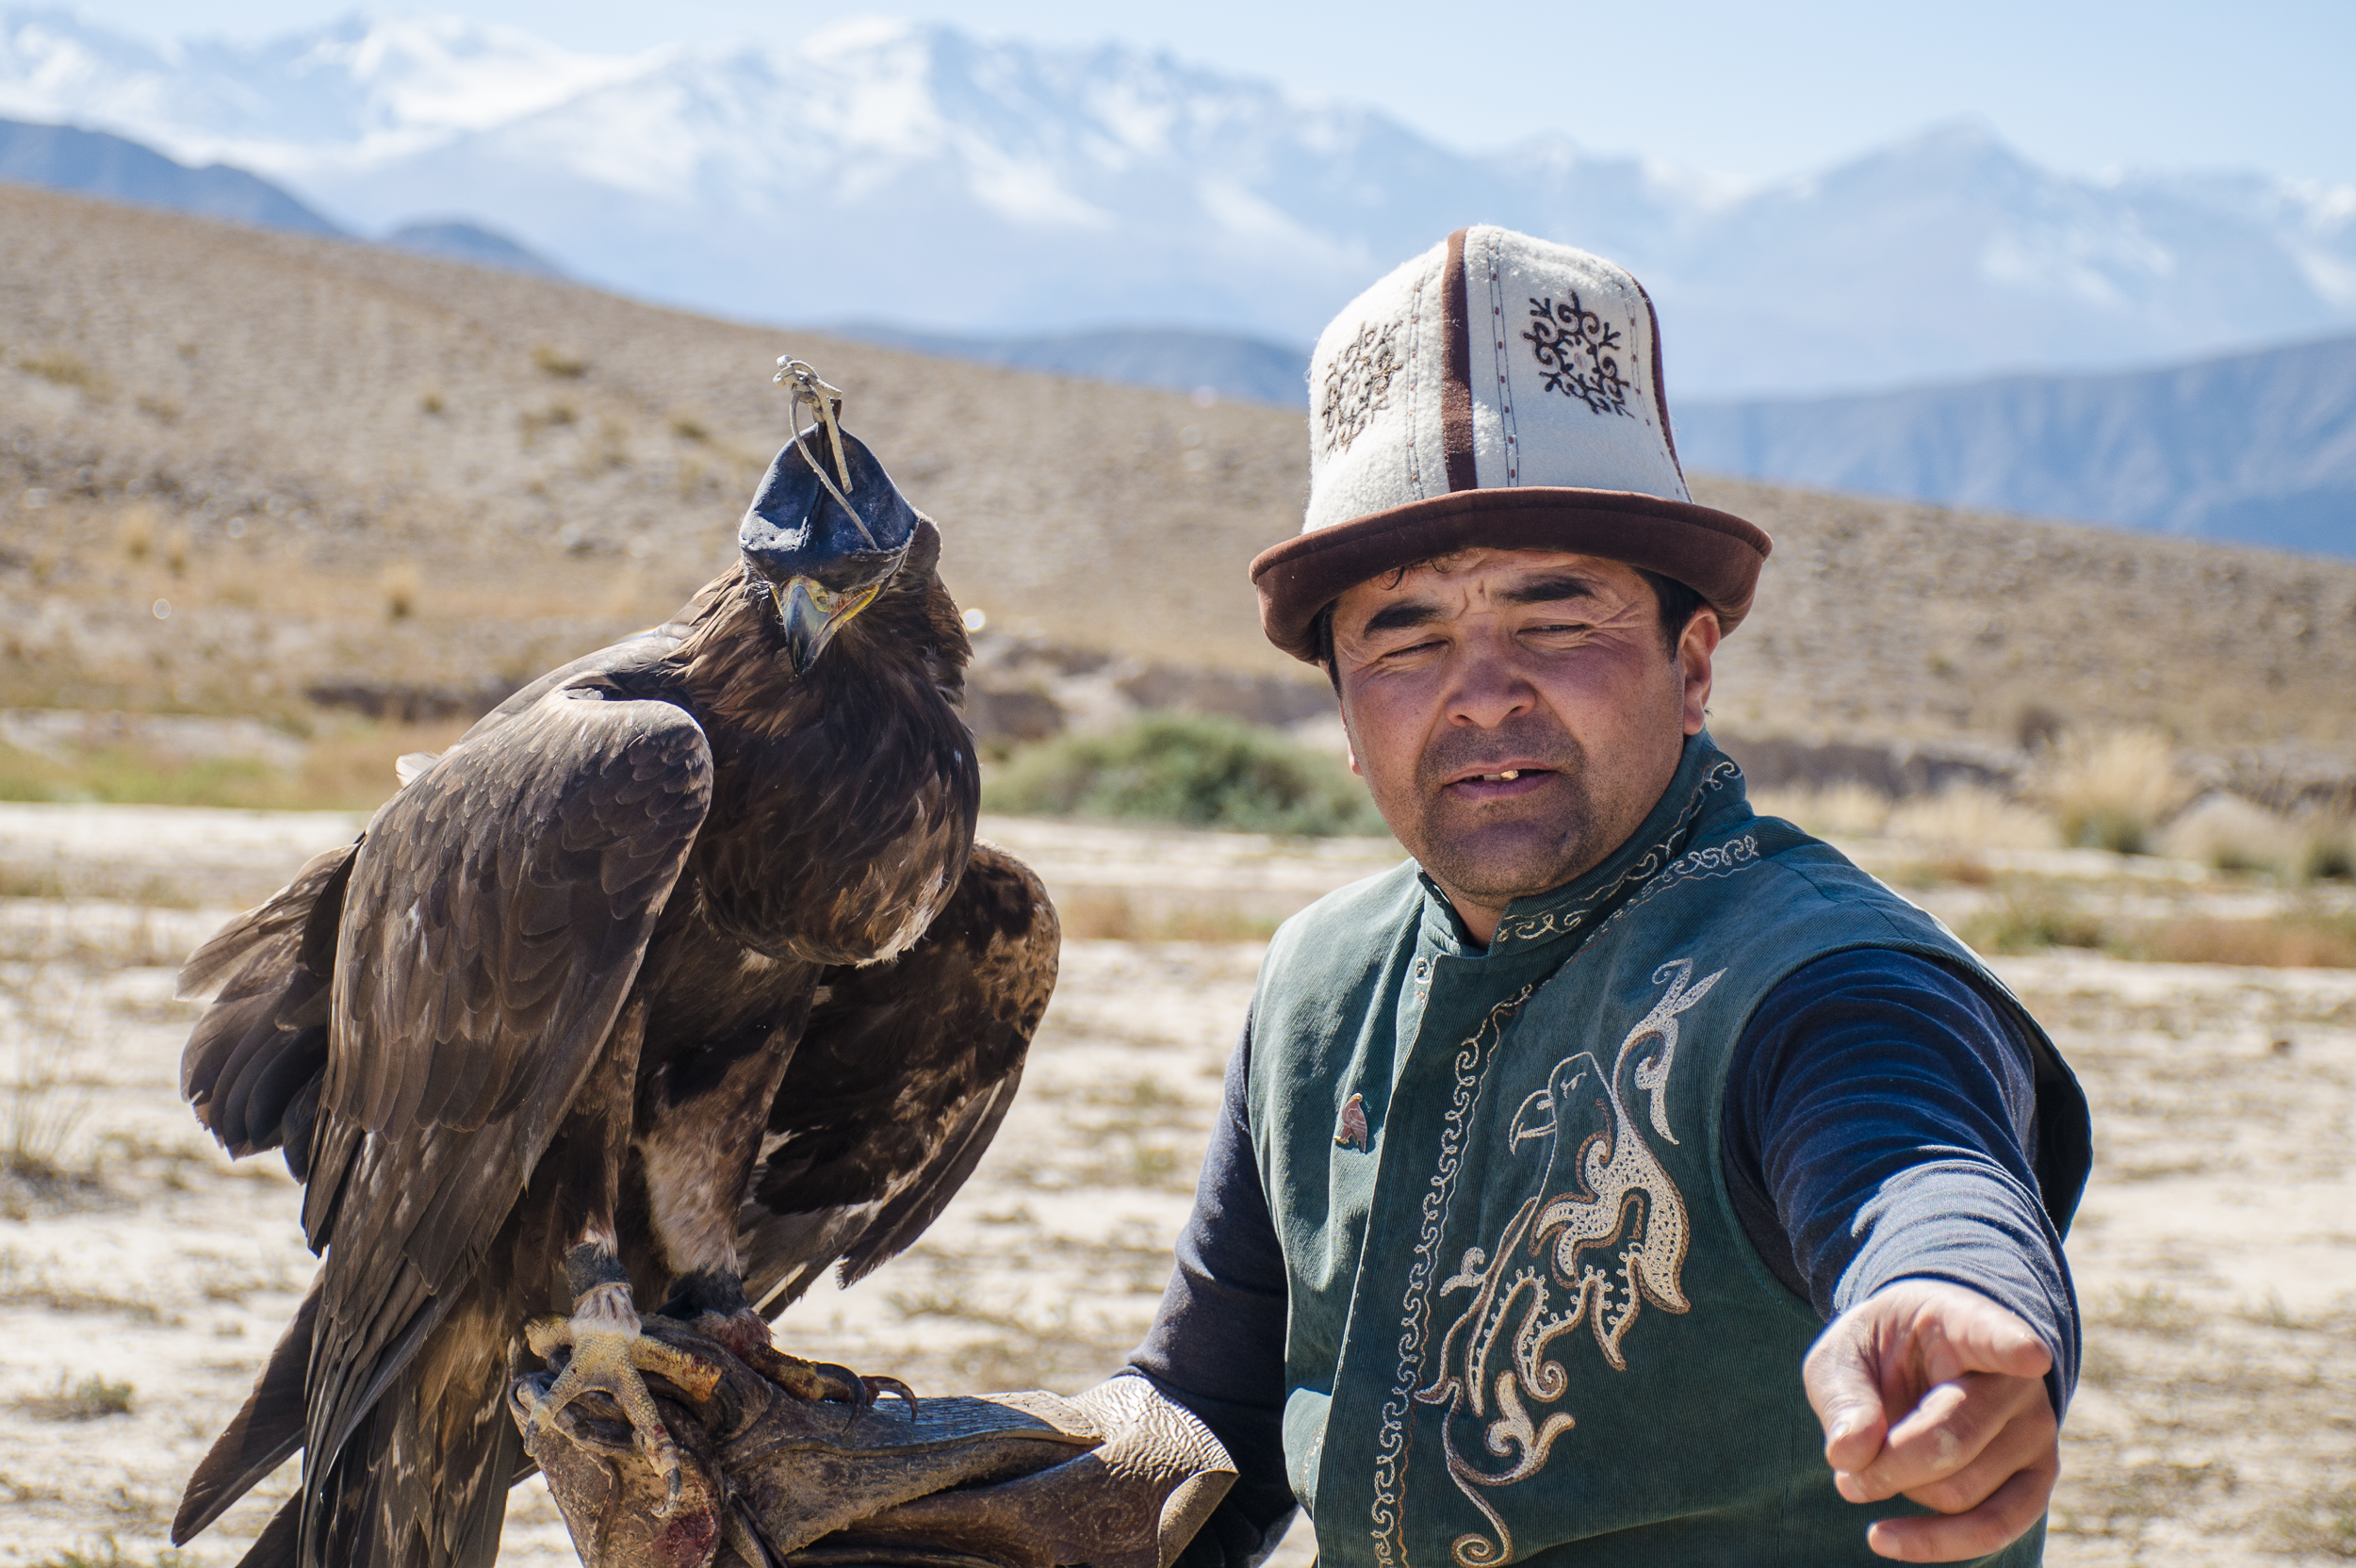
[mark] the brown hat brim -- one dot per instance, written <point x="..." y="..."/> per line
<point x="1715" y="553"/>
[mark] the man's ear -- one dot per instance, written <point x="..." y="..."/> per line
<point x="1695" y="649"/>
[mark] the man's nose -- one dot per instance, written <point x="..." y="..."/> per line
<point x="1489" y="687"/>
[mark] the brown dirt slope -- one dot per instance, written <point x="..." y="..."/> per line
<point x="335" y="462"/>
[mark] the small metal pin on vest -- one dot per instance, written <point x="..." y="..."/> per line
<point x="1350" y="1130"/>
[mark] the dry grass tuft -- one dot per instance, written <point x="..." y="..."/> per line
<point x="556" y="363"/>
<point x="557" y="416"/>
<point x="2326" y="846"/>
<point x="2125" y="1503"/>
<point x="2030" y="919"/>
<point x="347" y="766"/>
<point x="135" y="535"/>
<point x="2322" y="1523"/>
<point x="1974" y="817"/>
<point x="64" y="370"/>
<point x="1113" y="916"/>
<point x="2112" y="789"/>
<point x="2152" y="1310"/>
<point x="2235" y="835"/>
<point x="91" y="1399"/>
<point x="42" y="1104"/>
<point x="2290" y="943"/>
<point x="109" y="1553"/>
<point x="402" y="585"/>
<point x="1841" y="809"/>
<point x="1964" y="870"/>
<point x="2229" y="833"/>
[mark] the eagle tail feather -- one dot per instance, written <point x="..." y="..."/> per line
<point x="286" y="912"/>
<point x="275" y="1546"/>
<point x="422" y="1475"/>
<point x="264" y="1434"/>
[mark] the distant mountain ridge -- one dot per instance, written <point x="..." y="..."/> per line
<point x="1235" y="369"/>
<point x="2258" y="448"/>
<point x="922" y="176"/>
<point x="96" y="164"/>
<point x="460" y="240"/>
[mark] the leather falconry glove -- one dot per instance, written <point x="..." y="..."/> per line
<point x="1117" y="1476"/>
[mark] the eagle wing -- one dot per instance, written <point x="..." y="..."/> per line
<point x="494" y="922"/>
<point x="251" y="1065"/>
<point x="898" y="1085"/>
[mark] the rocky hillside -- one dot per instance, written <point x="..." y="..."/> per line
<point x="237" y="468"/>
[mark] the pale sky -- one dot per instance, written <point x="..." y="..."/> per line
<point x="1737" y="86"/>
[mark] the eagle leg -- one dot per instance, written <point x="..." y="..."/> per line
<point x="607" y="1353"/>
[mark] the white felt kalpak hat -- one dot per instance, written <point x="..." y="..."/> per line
<point x="1504" y="391"/>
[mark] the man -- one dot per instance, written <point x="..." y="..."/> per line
<point x="1547" y="1157"/>
<point x="1628" y="1178"/>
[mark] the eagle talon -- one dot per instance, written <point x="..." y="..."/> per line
<point x="608" y="1354"/>
<point x="746" y="1336"/>
<point x="815" y="1381"/>
<point x="877" y="1386"/>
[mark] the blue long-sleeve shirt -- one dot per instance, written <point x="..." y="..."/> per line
<point x="1879" y="1124"/>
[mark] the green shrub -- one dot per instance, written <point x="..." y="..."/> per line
<point x="1191" y="770"/>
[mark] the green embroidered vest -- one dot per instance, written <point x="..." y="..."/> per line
<point x="1525" y="1320"/>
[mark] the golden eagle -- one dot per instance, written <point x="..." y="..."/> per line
<point x="678" y="979"/>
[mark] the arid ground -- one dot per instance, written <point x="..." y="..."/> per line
<point x="142" y="1275"/>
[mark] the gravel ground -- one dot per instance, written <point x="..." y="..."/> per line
<point x="2216" y="1253"/>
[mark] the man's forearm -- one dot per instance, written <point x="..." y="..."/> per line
<point x="1216" y="1345"/>
<point x="1879" y="1123"/>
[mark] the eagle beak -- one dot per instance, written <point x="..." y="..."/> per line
<point x="812" y="615"/>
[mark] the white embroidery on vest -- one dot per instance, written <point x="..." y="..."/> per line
<point x="1606" y="1190"/>
<point x="1659" y="863"/>
<point x="1471" y="1070"/>
<point x="1716" y="777"/>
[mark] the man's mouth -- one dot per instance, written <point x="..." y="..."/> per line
<point x="1491" y="783"/>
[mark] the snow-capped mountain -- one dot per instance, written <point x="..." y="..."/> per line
<point x="920" y="176"/>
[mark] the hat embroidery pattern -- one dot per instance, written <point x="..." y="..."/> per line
<point x="1358" y="384"/>
<point x="1574" y="347"/>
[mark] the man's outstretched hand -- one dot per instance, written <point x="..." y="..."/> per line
<point x="1935" y="1393"/>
